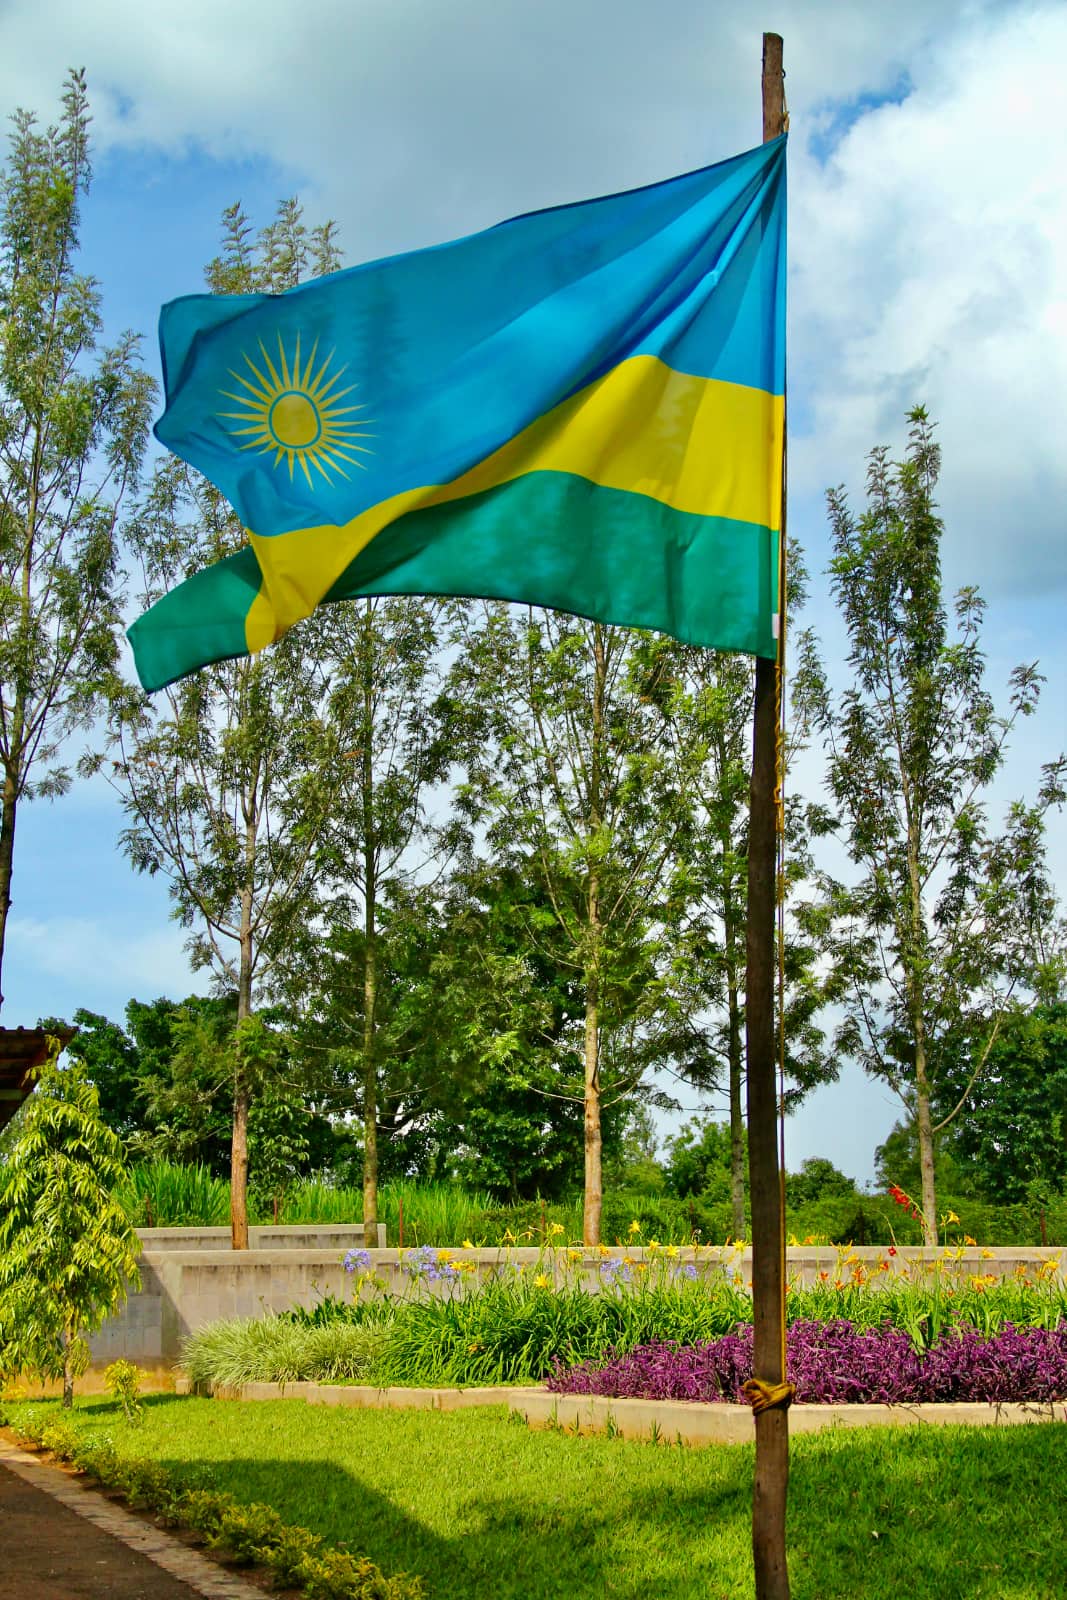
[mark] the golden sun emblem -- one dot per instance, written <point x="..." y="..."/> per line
<point x="295" y="413"/>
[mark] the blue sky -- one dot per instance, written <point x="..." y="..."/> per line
<point x="928" y="262"/>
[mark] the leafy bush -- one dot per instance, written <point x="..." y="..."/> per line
<point x="836" y="1363"/>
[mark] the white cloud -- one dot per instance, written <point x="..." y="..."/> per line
<point x="930" y="257"/>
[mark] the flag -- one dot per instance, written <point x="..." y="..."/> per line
<point x="580" y="408"/>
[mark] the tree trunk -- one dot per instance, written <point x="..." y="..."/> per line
<point x="737" y="1117"/>
<point x="7" y="857"/>
<point x="370" y="954"/>
<point x="594" y="1193"/>
<point x="241" y="1095"/>
<point x="735" y="1051"/>
<point x="68" y="1372"/>
<point x="925" y="1126"/>
<point x="239" y="1169"/>
<point x="370" y="1089"/>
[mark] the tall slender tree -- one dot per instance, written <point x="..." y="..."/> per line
<point x="394" y="732"/>
<point x="937" y="927"/>
<point x="73" y="426"/>
<point x="579" y="797"/>
<point x="707" y="699"/>
<point x="226" y="775"/>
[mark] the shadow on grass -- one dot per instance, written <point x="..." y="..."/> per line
<point x="952" y="1514"/>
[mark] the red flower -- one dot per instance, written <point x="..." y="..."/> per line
<point x="892" y="1249"/>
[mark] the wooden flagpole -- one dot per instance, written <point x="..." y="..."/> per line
<point x="769" y="1393"/>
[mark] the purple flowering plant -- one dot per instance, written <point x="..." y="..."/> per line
<point x="836" y="1363"/>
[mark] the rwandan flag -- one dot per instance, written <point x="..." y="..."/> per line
<point x="580" y="408"/>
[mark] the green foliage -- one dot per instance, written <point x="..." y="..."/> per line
<point x="817" y="1180"/>
<point x="67" y="1249"/>
<point x="699" y="1160"/>
<point x="1013" y="1140"/>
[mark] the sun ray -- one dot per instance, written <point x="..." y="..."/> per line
<point x="278" y="385"/>
<point x="260" y="394"/>
<point x="265" y="383"/>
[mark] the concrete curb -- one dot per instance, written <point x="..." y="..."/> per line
<point x="665" y="1420"/>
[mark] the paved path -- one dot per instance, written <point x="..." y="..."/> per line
<point x="62" y="1541"/>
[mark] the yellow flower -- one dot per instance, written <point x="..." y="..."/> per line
<point x="473" y="1347"/>
<point x="987" y="1255"/>
<point x="509" y="1237"/>
<point x="653" y="1244"/>
<point x="951" y="1217"/>
<point x="672" y="1250"/>
<point x="968" y="1240"/>
<point x="574" y="1255"/>
<point x="468" y="1244"/>
<point x="605" y="1250"/>
<point x="554" y="1228"/>
<point x="542" y="1281"/>
<point x="635" y="1227"/>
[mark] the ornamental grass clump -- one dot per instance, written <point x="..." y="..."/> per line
<point x="277" y="1350"/>
<point x="835" y="1363"/>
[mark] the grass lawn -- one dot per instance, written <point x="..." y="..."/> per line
<point x="485" y="1509"/>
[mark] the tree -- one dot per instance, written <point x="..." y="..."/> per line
<point x="707" y="701"/>
<point x="225" y="776"/>
<point x="579" y="800"/>
<point x="395" y="737"/>
<point x="497" y="1021"/>
<point x="73" y="425"/>
<point x="112" y="1065"/>
<point x="1012" y="1139"/>
<point x="937" y="930"/>
<point x="67" y="1250"/>
<point x="700" y="1159"/>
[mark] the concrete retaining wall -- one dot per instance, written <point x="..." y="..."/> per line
<point x="664" y="1421"/>
<point x="301" y="1236"/>
<point x="182" y="1288"/>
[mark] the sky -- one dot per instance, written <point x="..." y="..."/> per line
<point x="928" y="263"/>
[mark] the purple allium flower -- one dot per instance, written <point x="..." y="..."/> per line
<point x="357" y="1258"/>
<point x="426" y="1262"/>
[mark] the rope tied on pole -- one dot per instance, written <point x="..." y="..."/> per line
<point x="763" y="1396"/>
